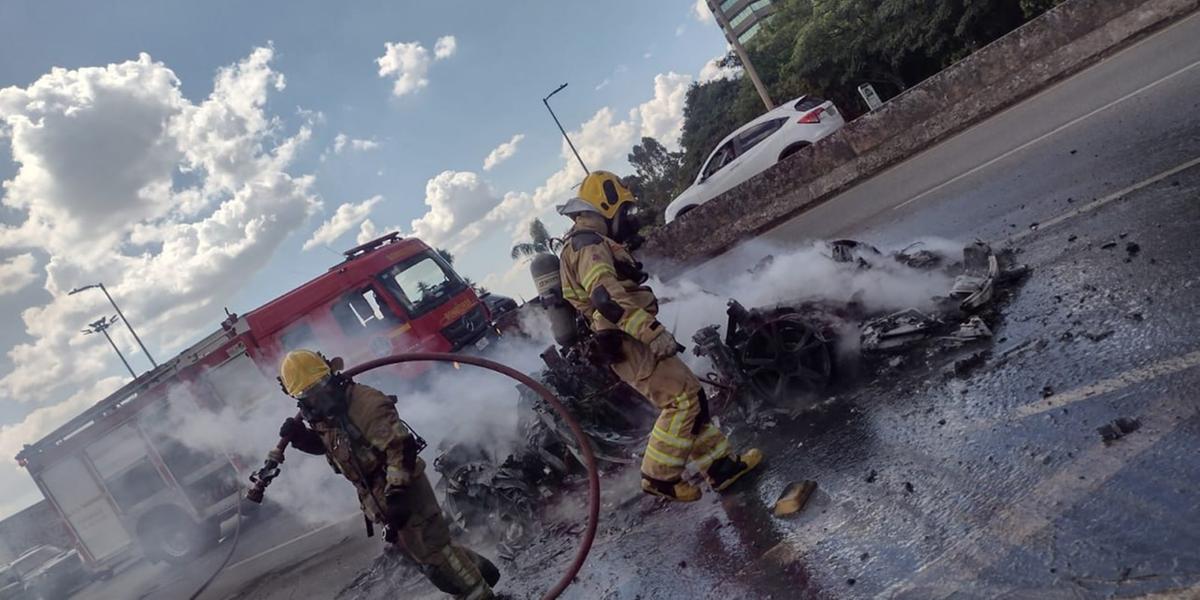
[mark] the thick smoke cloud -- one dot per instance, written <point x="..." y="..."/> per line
<point x="806" y="273"/>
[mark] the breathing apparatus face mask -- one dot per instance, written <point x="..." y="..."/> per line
<point x="325" y="400"/>
<point x="625" y="226"/>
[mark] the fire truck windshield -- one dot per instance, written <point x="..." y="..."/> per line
<point x="422" y="283"/>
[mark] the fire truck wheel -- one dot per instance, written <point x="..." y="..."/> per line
<point x="171" y="536"/>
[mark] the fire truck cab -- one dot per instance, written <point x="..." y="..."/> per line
<point x="390" y="295"/>
<point x="120" y="475"/>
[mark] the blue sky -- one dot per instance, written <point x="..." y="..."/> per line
<point x="299" y="74"/>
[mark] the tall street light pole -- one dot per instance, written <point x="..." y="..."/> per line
<point x="546" y="101"/>
<point x="120" y="314"/>
<point x="741" y="52"/>
<point x="101" y="326"/>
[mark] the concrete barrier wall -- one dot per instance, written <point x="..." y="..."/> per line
<point x="1057" y="44"/>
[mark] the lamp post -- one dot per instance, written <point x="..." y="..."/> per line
<point x="120" y="314"/>
<point x="101" y="326"/>
<point x="546" y="101"/>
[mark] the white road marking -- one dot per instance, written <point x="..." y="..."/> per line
<point x="1161" y="368"/>
<point x="285" y="544"/>
<point x="1048" y="134"/>
<point x="1093" y="205"/>
<point x="959" y="565"/>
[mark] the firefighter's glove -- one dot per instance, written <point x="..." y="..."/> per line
<point x="664" y="345"/>
<point x="301" y="437"/>
<point x="292" y="427"/>
<point x="398" y="511"/>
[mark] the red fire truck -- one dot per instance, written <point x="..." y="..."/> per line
<point x="124" y="484"/>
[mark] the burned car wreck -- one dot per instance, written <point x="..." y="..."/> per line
<point x="779" y="359"/>
<point x="766" y="362"/>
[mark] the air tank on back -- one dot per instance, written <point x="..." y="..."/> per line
<point x="544" y="268"/>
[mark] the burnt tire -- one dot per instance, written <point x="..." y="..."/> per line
<point x="787" y="362"/>
<point x="171" y="536"/>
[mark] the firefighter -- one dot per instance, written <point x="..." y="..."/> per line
<point x="358" y="430"/>
<point x="604" y="283"/>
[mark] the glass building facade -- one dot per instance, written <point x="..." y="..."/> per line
<point x="744" y="16"/>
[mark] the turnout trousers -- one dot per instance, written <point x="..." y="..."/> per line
<point x="426" y="539"/>
<point x="684" y="432"/>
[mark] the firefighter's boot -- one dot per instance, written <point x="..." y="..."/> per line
<point x="487" y="568"/>
<point x="679" y="491"/>
<point x="725" y="471"/>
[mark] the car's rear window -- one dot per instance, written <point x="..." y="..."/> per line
<point x="808" y="103"/>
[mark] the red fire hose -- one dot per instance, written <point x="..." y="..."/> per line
<point x="593" y="517"/>
<point x="589" y="535"/>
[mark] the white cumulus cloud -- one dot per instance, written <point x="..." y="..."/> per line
<point x="344" y="219"/>
<point x="408" y="63"/>
<point x="342" y="142"/>
<point x="98" y="152"/>
<point x="700" y="11"/>
<point x="458" y="201"/>
<point x="712" y="70"/>
<point x="502" y="152"/>
<point x="662" y="116"/>
<point x="445" y="47"/>
<point x="462" y="207"/>
<point x="16" y="273"/>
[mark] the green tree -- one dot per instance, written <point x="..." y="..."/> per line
<point x="829" y="47"/>
<point x="446" y="255"/>
<point x="657" y="179"/>
<point x="540" y="242"/>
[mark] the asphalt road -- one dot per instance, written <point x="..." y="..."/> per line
<point x="1126" y="119"/>
<point x="994" y="484"/>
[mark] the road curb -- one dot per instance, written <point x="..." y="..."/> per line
<point x="1063" y="42"/>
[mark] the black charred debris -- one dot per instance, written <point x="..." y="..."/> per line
<point x="770" y="362"/>
<point x="1118" y="428"/>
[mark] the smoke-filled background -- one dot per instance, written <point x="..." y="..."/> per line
<point x="470" y="404"/>
<point x="450" y="404"/>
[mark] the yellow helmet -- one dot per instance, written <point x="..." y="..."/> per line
<point x="301" y="370"/>
<point x="601" y="192"/>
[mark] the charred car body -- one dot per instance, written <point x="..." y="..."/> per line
<point x="768" y="361"/>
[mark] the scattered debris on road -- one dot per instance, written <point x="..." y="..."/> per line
<point x="898" y="332"/>
<point x="1118" y="428"/>
<point x="794" y="497"/>
<point x="964" y="366"/>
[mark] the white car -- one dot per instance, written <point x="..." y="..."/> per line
<point x="757" y="145"/>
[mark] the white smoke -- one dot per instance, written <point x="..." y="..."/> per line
<point x="760" y="274"/>
<point x="444" y="405"/>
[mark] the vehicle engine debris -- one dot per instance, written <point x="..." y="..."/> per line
<point x="767" y="362"/>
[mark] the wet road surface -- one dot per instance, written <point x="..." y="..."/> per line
<point x="995" y="484"/>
